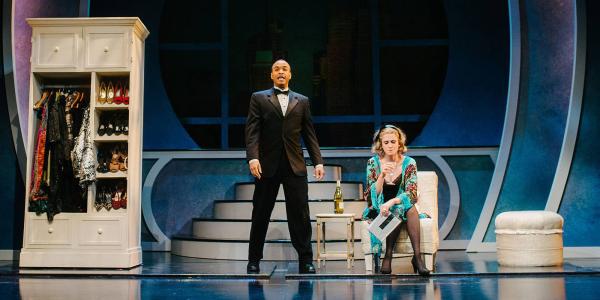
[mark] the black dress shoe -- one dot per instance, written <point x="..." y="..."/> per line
<point x="307" y="268"/>
<point x="253" y="268"/>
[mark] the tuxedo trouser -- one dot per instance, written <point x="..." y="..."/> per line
<point x="296" y="205"/>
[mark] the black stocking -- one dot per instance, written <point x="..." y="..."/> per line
<point x="390" y="242"/>
<point x="414" y="226"/>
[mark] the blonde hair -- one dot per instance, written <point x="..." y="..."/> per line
<point x="387" y="129"/>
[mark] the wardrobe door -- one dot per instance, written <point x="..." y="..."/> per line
<point x="56" y="48"/>
<point x="107" y="47"/>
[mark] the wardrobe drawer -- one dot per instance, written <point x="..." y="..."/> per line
<point x="107" y="47"/>
<point x="43" y="233"/>
<point x="109" y="232"/>
<point x="56" y="48"/>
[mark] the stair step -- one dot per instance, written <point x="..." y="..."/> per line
<point x="238" y="249"/>
<point x="316" y="190"/>
<point x="278" y="229"/>
<point x="242" y="209"/>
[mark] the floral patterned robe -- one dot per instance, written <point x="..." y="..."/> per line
<point x="407" y="193"/>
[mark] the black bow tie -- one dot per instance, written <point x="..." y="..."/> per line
<point x="278" y="91"/>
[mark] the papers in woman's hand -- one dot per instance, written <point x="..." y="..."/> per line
<point x="382" y="226"/>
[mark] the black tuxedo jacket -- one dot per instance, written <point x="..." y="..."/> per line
<point x="269" y="132"/>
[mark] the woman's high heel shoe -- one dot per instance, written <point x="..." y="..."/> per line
<point x="118" y="93"/>
<point x="386" y="266"/>
<point x="116" y="200"/>
<point x="123" y="165"/>
<point x="124" y="200"/>
<point x="110" y="93"/>
<point x="102" y="93"/>
<point x="114" y="163"/>
<point x="126" y="95"/>
<point x="418" y="267"/>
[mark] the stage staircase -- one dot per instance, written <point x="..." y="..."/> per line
<point x="225" y="236"/>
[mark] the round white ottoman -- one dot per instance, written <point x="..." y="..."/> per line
<point x="529" y="238"/>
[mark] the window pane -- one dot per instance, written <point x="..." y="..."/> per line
<point x="404" y="19"/>
<point x="190" y="21"/>
<point x="192" y="81"/>
<point x="237" y="136"/>
<point x="329" y="55"/>
<point x="344" y="135"/>
<point x="206" y="136"/>
<point x="412" y="78"/>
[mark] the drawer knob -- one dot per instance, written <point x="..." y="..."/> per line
<point x="100" y="231"/>
<point x="56" y="49"/>
<point x="50" y="230"/>
<point x="105" y="49"/>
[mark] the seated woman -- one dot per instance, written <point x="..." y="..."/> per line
<point x="392" y="188"/>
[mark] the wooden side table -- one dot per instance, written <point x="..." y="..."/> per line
<point x="321" y="230"/>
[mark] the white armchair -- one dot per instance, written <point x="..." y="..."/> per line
<point x="430" y="241"/>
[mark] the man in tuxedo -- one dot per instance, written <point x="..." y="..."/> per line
<point x="277" y="119"/>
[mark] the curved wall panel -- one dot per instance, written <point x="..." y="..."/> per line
<point x="580" y="206"/>
<point x="474" y="175"/>
<point x="472" y="103"/>
<point x="545" y="88"/>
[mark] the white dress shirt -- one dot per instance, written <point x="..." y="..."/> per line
<point x="283" y="99"/>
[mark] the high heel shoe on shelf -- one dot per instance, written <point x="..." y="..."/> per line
<point x="101" y="129"/>
<point x="124" y="200"/>
<point x="102" y="93"/>
<point x="123" y="163"/>
<point x="118" y="126"/>
<point x="114" y="163"/>
<point x="418" y="267"/>
<point x="98" y="203"/>
<point x="126" y="94"/>
<point x="110" y="128"/>
<point x="118" y="99"/>
<point x="102" y="164"/>
<point x="116" y="200"/>
<point x="110" y="93"/>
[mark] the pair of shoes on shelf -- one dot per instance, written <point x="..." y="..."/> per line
<point x="119" y="199"/>
<point x="121" y="122"/>
<point x="118" y="162"/>
<point x="121" y="93"/>
<point x="112" y="158"/>
<point x="106" y="128"/>
<point x="111" y="194"/>
<point x="106" y="93"/>
<point x="116" y="123"/>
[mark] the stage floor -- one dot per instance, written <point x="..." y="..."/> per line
<point x="458" y="275"/>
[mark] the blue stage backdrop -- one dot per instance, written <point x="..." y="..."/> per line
<point x="547" y="40"/>
<point x="580" y="206"/>
<point x="470" y="110"/>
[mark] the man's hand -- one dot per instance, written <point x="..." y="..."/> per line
<point x="319" y="172"/>
<point x="255" y="168"/>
